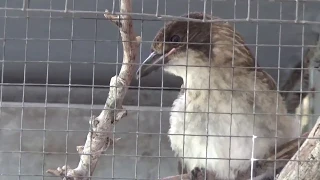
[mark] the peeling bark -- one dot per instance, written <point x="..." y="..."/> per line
<point x="99" y="139"/>
<point x="305" y="163"/>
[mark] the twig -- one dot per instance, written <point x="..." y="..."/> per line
<point x="116" y="19"/>
<point x="97" y="141"/>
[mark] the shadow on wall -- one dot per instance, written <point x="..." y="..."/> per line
<point x="133" y="152"/>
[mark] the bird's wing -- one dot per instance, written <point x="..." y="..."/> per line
<point x="266" y="78"/>
<point x="287" y="150"/>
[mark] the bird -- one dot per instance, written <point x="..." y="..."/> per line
<point x="229" y="113"/>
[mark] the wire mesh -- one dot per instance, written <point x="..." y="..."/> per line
<point x="58" y="56"/>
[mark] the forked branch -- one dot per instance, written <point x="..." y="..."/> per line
<point x="98" y="140"/>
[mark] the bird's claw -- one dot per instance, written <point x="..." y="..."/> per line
<point x="198" y="174"/>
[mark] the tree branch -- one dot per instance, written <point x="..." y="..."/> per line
<point x="305" y="163"/>
<point x="98" y="140"/>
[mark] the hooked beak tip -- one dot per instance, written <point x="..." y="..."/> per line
<point x="147" y="65"/>
<point x="137" y="75"/>
<point x="152" y="63"/>
<point x="141" y="72"/>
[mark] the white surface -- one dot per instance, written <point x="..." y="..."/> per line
<point x="46" y="131"/>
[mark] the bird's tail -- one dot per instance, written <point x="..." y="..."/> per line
<point x="296" y="87"/>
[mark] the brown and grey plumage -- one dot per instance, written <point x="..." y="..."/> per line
<point x="227" y="100"/>
<point x="298" y="80"/>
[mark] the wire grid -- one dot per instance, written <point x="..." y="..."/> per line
<point x="29" y="10"/>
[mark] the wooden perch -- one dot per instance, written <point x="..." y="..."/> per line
<point x="305" y="164"/>
<point x="98" y="140"/>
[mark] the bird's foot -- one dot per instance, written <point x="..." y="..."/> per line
<point x="181" y="168"/>
<point x="198" y="174"/>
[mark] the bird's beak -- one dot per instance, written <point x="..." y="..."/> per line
<point x="152" y="63"/>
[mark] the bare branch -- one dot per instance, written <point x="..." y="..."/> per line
<point x="98" y="141"/>
<point x="113" y="18"/>
<point x="305" y="163"/>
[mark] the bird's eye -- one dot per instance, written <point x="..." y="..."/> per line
<point x="175" y="38"/>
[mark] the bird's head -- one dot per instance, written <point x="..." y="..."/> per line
<point x="190" y="43"/>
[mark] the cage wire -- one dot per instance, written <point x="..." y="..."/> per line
<point x="58" y="56"/>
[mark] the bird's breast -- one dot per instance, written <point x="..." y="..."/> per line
<point x="201" y="126"/>
<point x="192" y="119"/>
